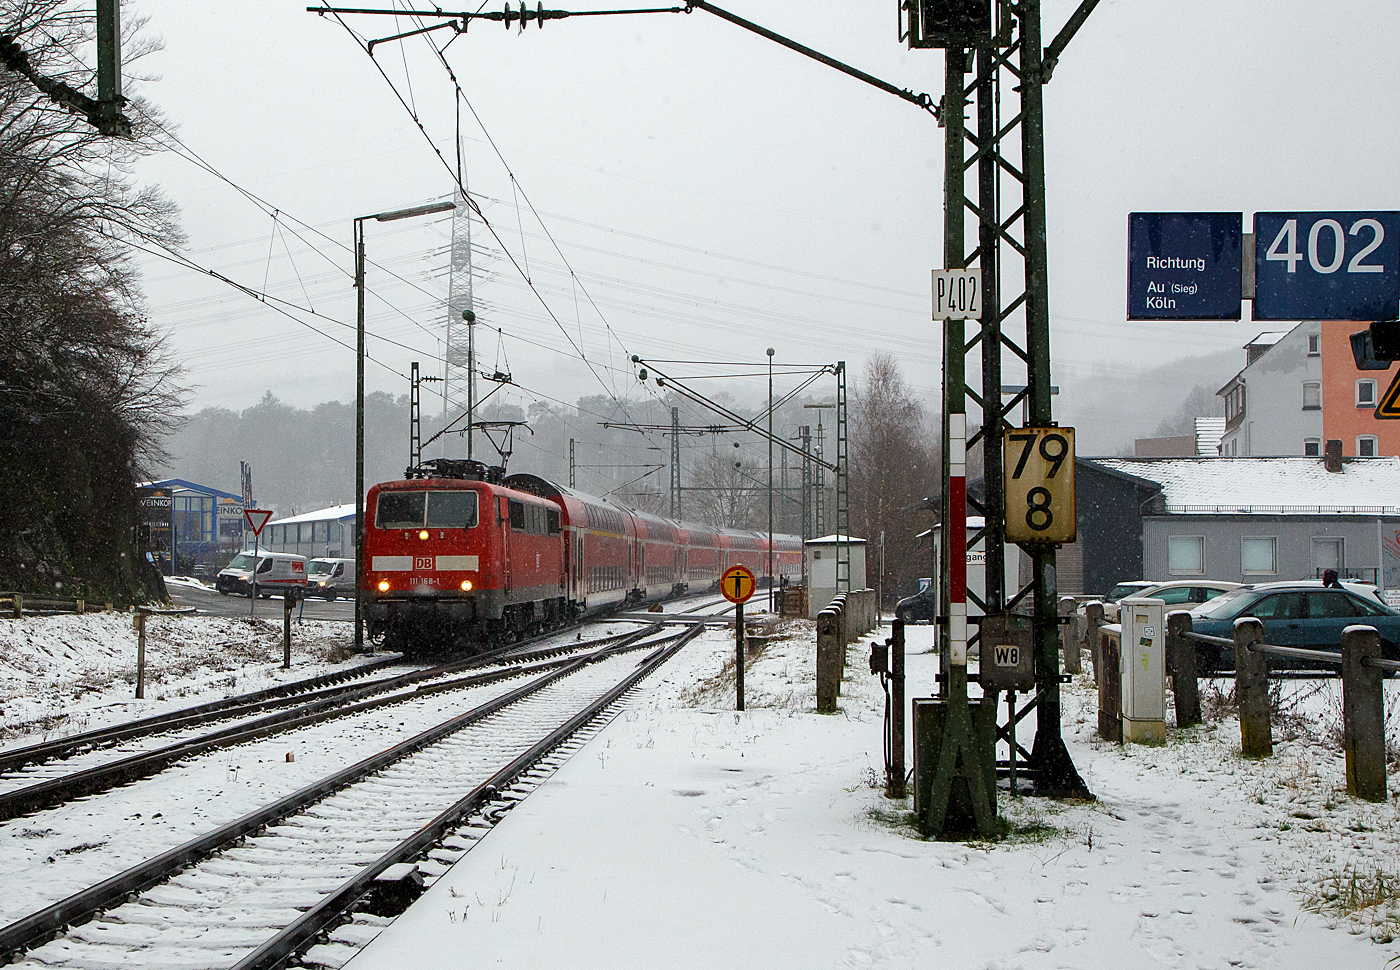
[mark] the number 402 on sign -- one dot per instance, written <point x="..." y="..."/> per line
<point x="1038" y="472"/>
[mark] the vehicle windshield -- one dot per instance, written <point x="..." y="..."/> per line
<point x="1125" y="589"/>
<point x="447" y="509"/>
<point x="244" y="560"/>
<point x="320" y="568"/>
<point x="1228" y="604"/>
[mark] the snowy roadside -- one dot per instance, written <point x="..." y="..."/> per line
<point x="687" y="835"/>
<point x="61" y="675"/>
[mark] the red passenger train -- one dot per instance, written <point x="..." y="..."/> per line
<point x="465" y="556"/>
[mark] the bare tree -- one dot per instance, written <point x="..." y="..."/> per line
<point x="85" y="383"/>
<point x="892" y="470"/>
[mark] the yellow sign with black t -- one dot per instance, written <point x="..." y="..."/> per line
<point x="1038" y="476"/>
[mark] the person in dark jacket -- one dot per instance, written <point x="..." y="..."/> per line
<point x="1329" y="578"/>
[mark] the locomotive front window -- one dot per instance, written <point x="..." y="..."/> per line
<point x="399" y="510"/>
<point x="452" y="510"/>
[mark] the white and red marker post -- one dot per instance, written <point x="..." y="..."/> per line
<point x="957" y="539"/>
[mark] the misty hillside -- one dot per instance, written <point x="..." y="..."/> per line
<point x="1110" y="411"/>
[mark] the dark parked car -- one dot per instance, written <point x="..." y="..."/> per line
<point x="918" y="608"/>
<point x="1303" y="614"/>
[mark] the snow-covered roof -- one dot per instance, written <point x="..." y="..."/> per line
<point x="1291" y="486"/>
<point x="1268" y="338"/>
<point x="334" y="512"/>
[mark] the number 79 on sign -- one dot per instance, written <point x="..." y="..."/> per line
<point x="1038" y="475"/>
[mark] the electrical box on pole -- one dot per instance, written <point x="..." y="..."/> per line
<point x="955" y="23"/>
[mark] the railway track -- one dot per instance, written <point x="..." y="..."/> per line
<point x="258" y="890"/>
<point x="41" y="776"/>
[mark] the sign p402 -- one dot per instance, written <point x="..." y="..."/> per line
<point x="1326" y="265"/>
<point x="957" y="294"/>
<point x="1038" y="475"/>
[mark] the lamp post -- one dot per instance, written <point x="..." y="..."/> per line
<point x="421" y="210"/>
<point x="772" y="577"/>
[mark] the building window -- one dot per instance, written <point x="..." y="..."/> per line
<point x="1312" y="447"/>
<point x="1312" y="397"/>
<point x="1186" y="555"/>
<point x="1314" y="345"/>
<point x="1366" y="446"/>
<point x="1365" y="394"/>
<point x="1257" y="555"/>
<point x="1326" y="554"/>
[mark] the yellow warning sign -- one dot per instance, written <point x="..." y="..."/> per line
<point x="737" y="584"/>
<point x="1388" y="409"/>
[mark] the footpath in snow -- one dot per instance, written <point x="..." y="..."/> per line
<point x="689" y="835"/>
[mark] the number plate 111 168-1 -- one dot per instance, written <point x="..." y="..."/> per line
<point x="1038" y="474"/>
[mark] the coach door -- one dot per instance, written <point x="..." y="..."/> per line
<point x="503" y="519"/>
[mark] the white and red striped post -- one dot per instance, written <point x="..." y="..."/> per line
<point x="957" y="539"/>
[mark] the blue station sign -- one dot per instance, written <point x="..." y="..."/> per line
<point x="1184" y="265"/>
<point x="1326" y="265"/>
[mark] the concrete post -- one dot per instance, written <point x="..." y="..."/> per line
<point x="287" y="604"/>
<point x="1093" y="619"/>
<point x="828" y="660"/>
<point x="140" y="655"/>
<point x="1252" y="689"/>
<point x="1181" y="655"/>
<point x="1069" y="644"/>
<point x="1363" y="714"/>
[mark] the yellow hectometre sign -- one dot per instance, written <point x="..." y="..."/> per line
<point x="1038" y="474"/>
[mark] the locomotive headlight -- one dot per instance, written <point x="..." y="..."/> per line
<point x="423" y="534"/>
<point x="466" y="584"/>
<point x="384" y="586"/>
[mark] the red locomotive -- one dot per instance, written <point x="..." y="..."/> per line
<point x="465" y="556"/>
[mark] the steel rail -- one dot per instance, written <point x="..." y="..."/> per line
<point x="42" y="925"/>
<point x="307" y="691"/>
<point x="60" y="747"/>
<point x="276" y="952"/>
<point x="91" y="781"/>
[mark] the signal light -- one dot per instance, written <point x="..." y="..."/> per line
<point x="953" y="23"/>
<point x="384" y="586"/>
<point x="466" y="585"/>
<point x="1378" y="346"/>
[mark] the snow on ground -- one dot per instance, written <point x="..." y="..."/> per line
<point x="61" y="675"/>
<point x="689" y="835"/>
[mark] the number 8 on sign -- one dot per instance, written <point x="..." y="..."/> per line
<point x="1038" y="476"/>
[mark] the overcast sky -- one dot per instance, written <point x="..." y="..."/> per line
<point x="714" y="193"/>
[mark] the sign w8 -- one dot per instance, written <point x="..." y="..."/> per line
<point x="1038" y="475"/>
<point x="1326" y="265"/>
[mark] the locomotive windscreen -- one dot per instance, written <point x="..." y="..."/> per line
<point x="444" y="509"/>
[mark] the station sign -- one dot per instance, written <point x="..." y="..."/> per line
<point x="1326" y="265"/>
<point x="1185" y="265"/>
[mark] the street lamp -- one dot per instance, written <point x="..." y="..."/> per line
<point x="421" y="210"/>
<point x="772" y="577"/>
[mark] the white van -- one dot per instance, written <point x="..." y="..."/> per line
<point x="330" y="578"/>
<point x="276" y="572"/>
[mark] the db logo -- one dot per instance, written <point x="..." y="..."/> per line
<point x="422" y="562"/>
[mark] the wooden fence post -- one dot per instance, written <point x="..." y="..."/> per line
<point x="1093" y="619"/>
<point x="1068" y="641"/>
<point x="19" y="605"/>
<point x="1182" y="654"/>
<point x="140" y="655"/>
<point x="828" y="661"/>
<point x="1252" y="690"/>
<point x="1363" y="714"/>
<point x="1110" y="689"/>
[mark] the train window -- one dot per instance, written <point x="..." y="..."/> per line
<point x="517" y="515"/>
<point x="553" y="521"/>
<point x="399" y="510"/>
<point x="453" y="509"/>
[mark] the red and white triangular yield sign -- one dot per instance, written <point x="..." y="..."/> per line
<point x="256" y="519"/>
